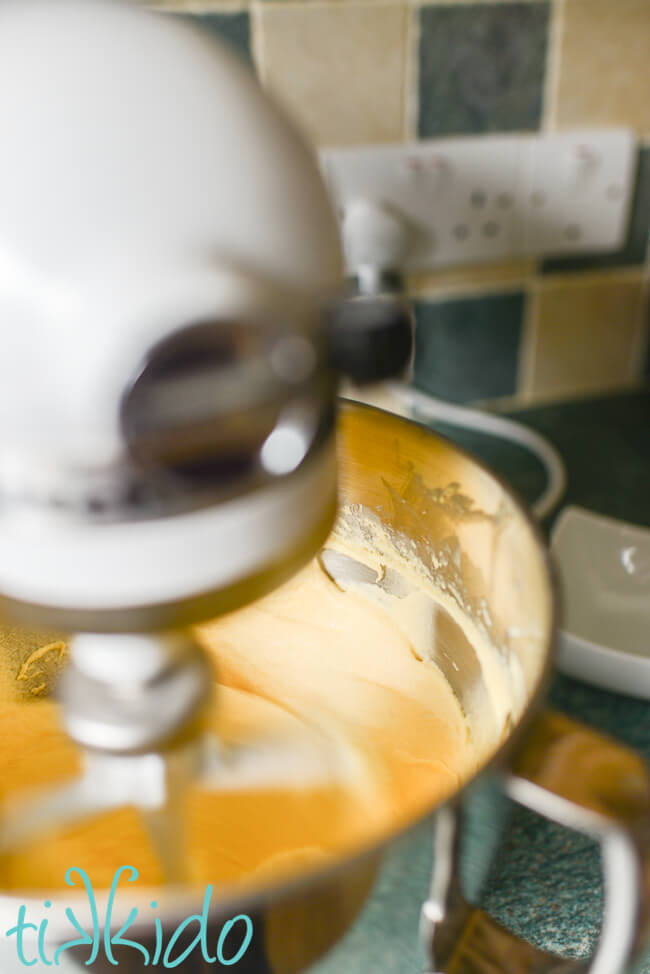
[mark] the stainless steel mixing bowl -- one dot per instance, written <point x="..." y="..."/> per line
<point x="478" y="543"/>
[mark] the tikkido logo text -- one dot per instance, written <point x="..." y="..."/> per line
<point x="31" y="938"/>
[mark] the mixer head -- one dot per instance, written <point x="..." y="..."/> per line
<point x="167" y="249"/>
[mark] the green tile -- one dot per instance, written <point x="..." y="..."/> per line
<point x="233" y="28"/>
<point x="635" y="247"/>
<point x="605" y="443"/>
<point x="482" y="67"/>
<point x="467" y="348"/>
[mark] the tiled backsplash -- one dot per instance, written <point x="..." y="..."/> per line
<point x="354" y="71"/>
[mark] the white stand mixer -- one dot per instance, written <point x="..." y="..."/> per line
<point x="168" y="256"/>
<point x="171" y="347"/>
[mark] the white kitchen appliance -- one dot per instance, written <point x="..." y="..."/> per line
<point x="169" y="277"/>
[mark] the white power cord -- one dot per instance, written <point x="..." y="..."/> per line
<point x="376" y="238"/>
<point x="508" y="429"/>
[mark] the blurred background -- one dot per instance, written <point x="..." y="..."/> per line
<point x="507" y="334"/>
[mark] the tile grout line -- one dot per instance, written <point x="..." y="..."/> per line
<point x="553" y="64"/>
<point x="196" y="8"/>
<point x="465" y="3"/>
<point x="432" y="290"/>
<point x="554" y="398"/>
<point x="412" y="73"/>
<point x="640" y="351"/>
<point x="500" y="404"/>
<point x="295" y="5"/>
<point x="256" y="28"/>
<point x="463" y="289"/>
<point x="589" y="276"/>
<point x="530" y="326"/>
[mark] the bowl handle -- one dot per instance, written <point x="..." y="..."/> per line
<point x="581" y="780"/>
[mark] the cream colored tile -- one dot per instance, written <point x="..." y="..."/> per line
<point x="339" y="68"/>
<point x="583" y="336"/>
<point x="470" y="277"/>
<point x="604" y="64"/>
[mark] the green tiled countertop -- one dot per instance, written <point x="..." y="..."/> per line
<point x="546" y="882"/>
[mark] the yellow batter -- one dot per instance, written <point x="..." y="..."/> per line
<point x="306" y="655"/>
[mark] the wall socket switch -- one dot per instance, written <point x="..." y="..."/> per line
<point x="494" y="197"/>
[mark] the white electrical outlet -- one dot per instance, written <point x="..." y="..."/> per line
<point x="577" y="191"/>
<point x="493" y="197"/>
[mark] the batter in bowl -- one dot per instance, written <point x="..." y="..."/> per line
<point x="307" y="655"/>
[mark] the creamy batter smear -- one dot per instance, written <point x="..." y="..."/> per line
<point x="308" y="655"/>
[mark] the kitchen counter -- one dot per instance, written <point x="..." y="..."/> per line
<point x="545" y="885"/>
